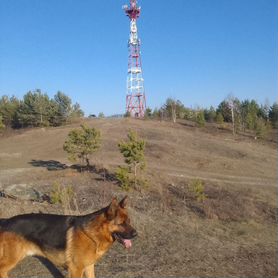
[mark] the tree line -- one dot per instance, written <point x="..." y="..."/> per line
<point x="37" y="109"/>
<point x="243" y="115"/>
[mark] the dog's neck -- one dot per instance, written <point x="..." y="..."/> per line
<point x="98" y="232"/>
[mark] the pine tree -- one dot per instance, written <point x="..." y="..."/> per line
<point x="8" y="110"/>
<point x="133" y="153"/>
<point x="81" y="143"/>
<point x="273" y="115"/>
<point x="219" y="118"/>
<point x="200" y="118"/>
<point x="148" y="113"/>
<point x="2" y="126"/>
<point x="64" y="107"/>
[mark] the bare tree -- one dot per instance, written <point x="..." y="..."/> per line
<point x="233" y="116"/>
<point x="174" y="111"/>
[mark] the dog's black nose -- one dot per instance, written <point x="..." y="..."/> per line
<point x="134" y="233"/>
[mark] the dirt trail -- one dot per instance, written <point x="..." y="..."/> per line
<point x="229" y="179"/>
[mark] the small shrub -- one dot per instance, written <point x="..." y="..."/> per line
<point x="188" y="114"/>
<point x="59" y="192"/>
<point x="122" y="174"/>
<point x="261" y="128"/>
<point x="63" y="195"/>
<point x="198" y="189"/>
<point x="127" y="114"/>
<point x="200" y="118"/>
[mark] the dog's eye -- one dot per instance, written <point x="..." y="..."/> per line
<point x="126" y="222"/>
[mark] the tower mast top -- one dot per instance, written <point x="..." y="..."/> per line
<point x="133" y="11"/>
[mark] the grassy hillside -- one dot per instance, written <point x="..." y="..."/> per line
<point x="231" y="234"/>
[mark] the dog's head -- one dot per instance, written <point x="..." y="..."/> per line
<point x="119" y="222"/>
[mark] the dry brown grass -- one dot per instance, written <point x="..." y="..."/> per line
<point x="231" y="234"/>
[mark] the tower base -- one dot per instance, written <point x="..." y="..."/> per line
<point x="136" y="105"/>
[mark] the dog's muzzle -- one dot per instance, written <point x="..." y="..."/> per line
<point x="125" y="239"/>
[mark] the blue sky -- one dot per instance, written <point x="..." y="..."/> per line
<point x="197" y="51"/>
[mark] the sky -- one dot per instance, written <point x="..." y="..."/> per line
<point x="195" y="51"/>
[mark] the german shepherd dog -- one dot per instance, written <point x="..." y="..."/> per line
<point x="75" y="242"/>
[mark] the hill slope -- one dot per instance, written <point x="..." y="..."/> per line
<point x="231" y="233"/>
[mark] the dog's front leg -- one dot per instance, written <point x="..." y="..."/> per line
<point x="90" y="271"/>
<point x="3" y="274"/>
<point x="75" y="272"/>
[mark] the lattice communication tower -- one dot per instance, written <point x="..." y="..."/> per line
<point x="135" y="95"/>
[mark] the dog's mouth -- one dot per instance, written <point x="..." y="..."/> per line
<point x="124" y="241"/>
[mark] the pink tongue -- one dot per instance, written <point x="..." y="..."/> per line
<point x="127" y="243"/>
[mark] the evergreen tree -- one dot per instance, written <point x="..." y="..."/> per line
<point x="34" y="109"/>
<point x="200" y="118"/>
<point x="264" y="110"/>
<point x="133" y="153"/>
<point x="148" y="113"/>
<point x="155" y="113"/>
<point x="81" y="143"/>
<point x="219" y="118"/>
<point x="273" y="115"/>
<point x="2" y="126"/>
<point x="8" y="109"/>
<point x="101" y="115"/>
<point x="250" y="112"/>
<point x="225" y="110"/>
<point x="210" y="114"/>
<point x="26" y="112"/>
<point x="41" y="108"/>
<point x="170" y="107"/>
<point x="261" y="128"/>
<point x="76" y="111"/>
<point x="64" y="108"/>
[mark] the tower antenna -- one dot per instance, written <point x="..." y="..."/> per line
<point x="135" y="91"/>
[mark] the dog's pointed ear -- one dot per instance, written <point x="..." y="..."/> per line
<point x="123" y="202"/>
<point x="111" y="211"/>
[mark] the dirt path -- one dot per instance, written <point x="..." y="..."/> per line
<point x="229" y="179"/>
<point x="7" y="175"/>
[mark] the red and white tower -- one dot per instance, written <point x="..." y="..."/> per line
<point x="135" y="97"/>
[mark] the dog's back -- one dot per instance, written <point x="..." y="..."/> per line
<point x="2" y="222"/>
<point x="45" y="230"/>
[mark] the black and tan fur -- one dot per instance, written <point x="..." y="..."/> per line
<point x="75" y="242"/>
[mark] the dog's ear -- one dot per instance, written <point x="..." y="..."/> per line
<point x="111" y="211"/>
<point x="123" y="202"/>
